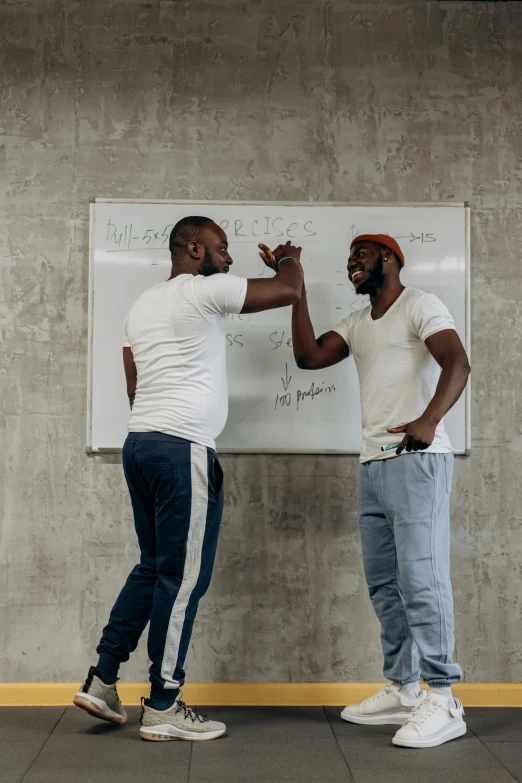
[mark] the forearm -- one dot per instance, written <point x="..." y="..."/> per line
<point x="131" y="374"/>
<point x="290" y="274"/>
<point x="452" y="382"/>
<point x="303" y="335"/>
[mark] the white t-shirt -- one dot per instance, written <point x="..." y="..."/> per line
<point x="176" y="331"/>
<point x="397" y="374"/>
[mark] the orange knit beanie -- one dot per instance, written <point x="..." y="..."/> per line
<point x="381" y="239"/>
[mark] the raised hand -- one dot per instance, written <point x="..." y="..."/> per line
<point x="272" y="257"/>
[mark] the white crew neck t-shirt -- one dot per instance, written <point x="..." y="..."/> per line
<point x="397" y="374"/>
<point x="176" y="331"/>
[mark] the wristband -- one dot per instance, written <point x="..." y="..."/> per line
<point x="285" y="258"/>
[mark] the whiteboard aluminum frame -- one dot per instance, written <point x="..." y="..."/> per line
<point x="467" y="304"/>
<point x="91" y="449"/>
<point x="90" y="324"/>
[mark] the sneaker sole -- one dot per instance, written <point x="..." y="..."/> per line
<point x="166" y="732"/>
<point x="449" y="733"/>
<point x="97" y="708"/>
<point x="388" y="719"/>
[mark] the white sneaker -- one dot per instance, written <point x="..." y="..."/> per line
<point x="432" y="723"/>
<point x="387" y="706"/>
<point x="179" y="722"/>
<point x="100" y="700"/>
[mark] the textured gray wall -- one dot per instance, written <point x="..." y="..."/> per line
<point x="280" y="99"/>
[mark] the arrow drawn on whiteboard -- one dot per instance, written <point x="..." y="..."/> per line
<point x="423" y="237"/>
<point x="286" y="385"/>
<point x="411" y="237"/>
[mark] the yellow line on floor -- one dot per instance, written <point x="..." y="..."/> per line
<point x="483" y="694"/>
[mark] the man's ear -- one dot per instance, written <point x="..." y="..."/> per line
<point x="194" y="250"/>
<point x="387" y="255"/>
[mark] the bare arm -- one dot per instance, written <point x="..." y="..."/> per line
<point x="309" y="353"/>
<point x="281" y="290"/>
<point x="448" y="351"/>
<point x="131" y="374"/>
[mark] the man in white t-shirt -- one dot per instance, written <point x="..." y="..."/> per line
<point x="400" y="343"/>
<point x="174" y="349"/>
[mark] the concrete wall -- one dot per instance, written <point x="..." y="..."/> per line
<point x="276" y="99"/>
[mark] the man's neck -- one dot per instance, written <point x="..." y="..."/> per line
<point x="385" y="297"/>
<point x="181" y="269"/>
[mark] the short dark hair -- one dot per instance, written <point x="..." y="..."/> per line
<point x="187" y="230"/>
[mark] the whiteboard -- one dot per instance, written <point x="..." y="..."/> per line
<point x="274" y="406"/>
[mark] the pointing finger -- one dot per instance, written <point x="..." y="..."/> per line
<point x="402" y="445"/>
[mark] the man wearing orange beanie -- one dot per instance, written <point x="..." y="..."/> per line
<point x="412" y="369"/>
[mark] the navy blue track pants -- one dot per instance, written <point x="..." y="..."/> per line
<point x="176" y="489"/>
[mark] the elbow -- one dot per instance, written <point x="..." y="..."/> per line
<point x="465" y="366"/>
<point x="458" y="363"/>
<point x="304" y="363"/>
<point x="461" y="368"/>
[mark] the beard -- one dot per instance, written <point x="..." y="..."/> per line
<point x="374" y="282"/>
<point x="208" y="267"/>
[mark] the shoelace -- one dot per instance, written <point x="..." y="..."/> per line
<point x="188" y="712"/>
<point x="421" y="713"/>
<point x="383" y="692"/>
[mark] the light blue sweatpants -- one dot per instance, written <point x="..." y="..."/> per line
<point x="404" y="520"/>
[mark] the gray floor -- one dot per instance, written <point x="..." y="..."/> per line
<point x="272" y="744"/>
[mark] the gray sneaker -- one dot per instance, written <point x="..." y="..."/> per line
<point x="179" y="722"/>
<point x="100" y="700"/>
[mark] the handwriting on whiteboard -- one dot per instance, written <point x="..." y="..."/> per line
<point x="269" y="227"/>
<point x="287" y="397"/>
<point x="126" y="237"/>
<point x="423" y="237"/>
